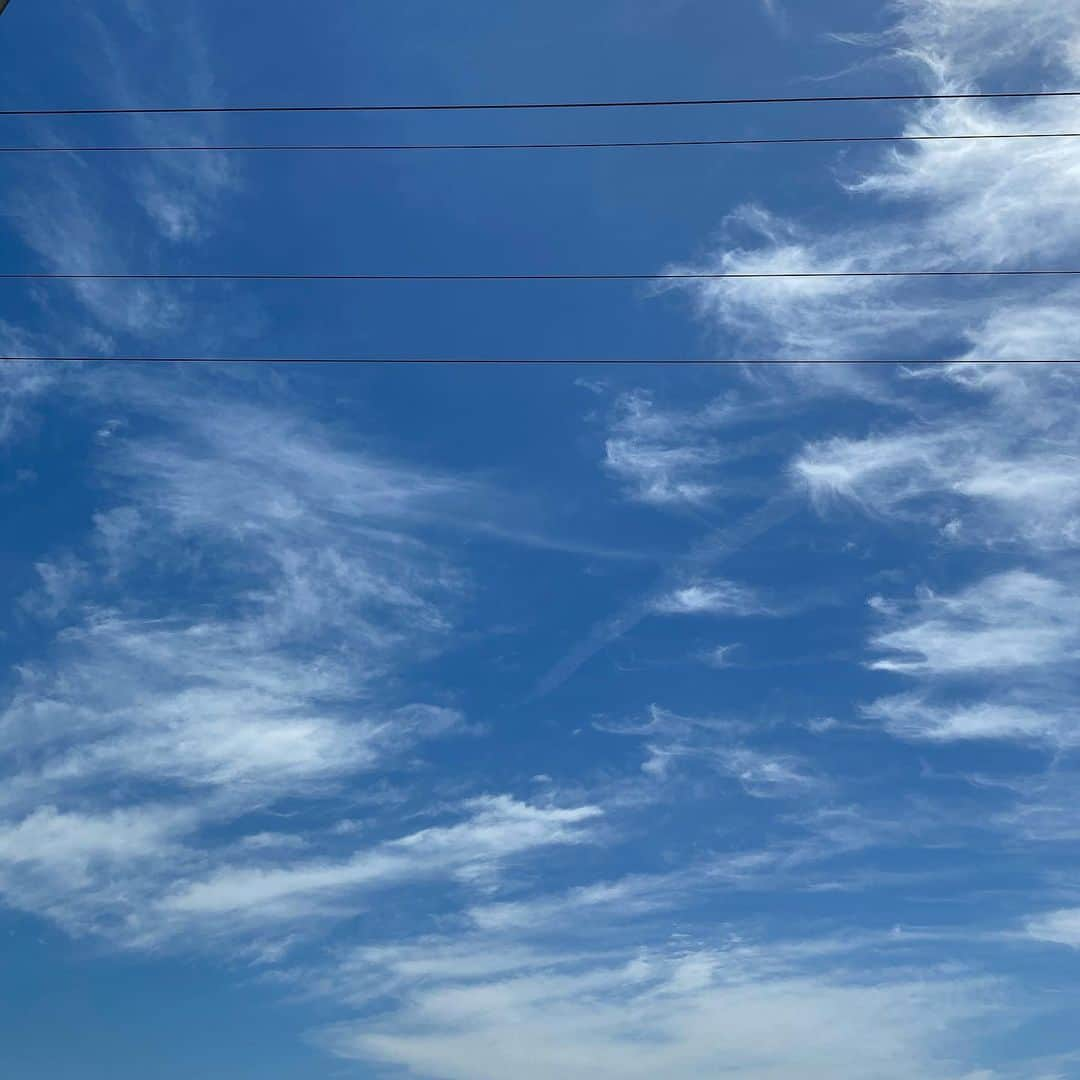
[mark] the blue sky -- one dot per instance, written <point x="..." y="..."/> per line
<point x="461" y="723"/>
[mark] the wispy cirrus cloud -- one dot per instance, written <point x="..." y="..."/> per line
<point x="496" y="828"/>
<point x="994" y="662"/>
<point x="676" y="745"/>
<point x="996" y="469"/>
<point x="246" y="602"/>
<point x="951" y="206"/>
<point x="1000" y="471"/>
<point x="236" y="659"/>
<point x="1008" y="621"/>
<point x="311" y="538"/>
<point x="685" y="458"/>
<point x="1060" y="927"/>
<point x="651" y="453"/>
<point x="717" y="597"/>
<point x="910" y="716"/>
<point x="485" y="1008"/>
<point x="145" y="875"/>
<point x="71" y="216"/>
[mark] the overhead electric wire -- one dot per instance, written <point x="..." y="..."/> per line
<point x="554" y="277"/>
<point x="615" y="145"/>
<point x="453" y="361"/>
<point x="674" y="276"/>
<point x="143" y="110"/>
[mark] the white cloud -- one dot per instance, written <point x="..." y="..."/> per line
<point x="68" y="842"/>
<point x="1059" y="927"/>
<point x="661" y="723"/>
<point x="603" y="904"/>
<point x="1008" y="621"/>
<point x="980" y="37"/>
<point x="998" y="466"/>
<point x="679" y="458"/>
<point x="67" y="215"/>
<point x="909" y="716"/>
<point x="952" y="204"/>
<point x="144" y="876"/>
<point x="21" y="382"/>
<point x="494" y="1011"/>
<point x="260" y="727"/>
<point x="180" y="194"/>
<point x="717" y="597"/>
<point x="247" y="605"/>
<point x="675" y="743"/>
<point x="795" y="317"/>
<point x="1000" y="469"/>
<point x="720" y="655"/>
<point x="994" y="660"/>
<point x="61" y="579"/>
<point x="768" y="775"/>
<point x="660" y="474"/>
<point x="1043" y="809"/>
<point x="497" y="828"/>
<point x="90" y="870"/>
<point x="256" y="595"/>
<point x="648" y="450"/>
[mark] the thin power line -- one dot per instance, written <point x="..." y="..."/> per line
<point x="689" y="276"/>
<point x="490" y="106"/>
<point x="449" y="361"/>
<point x="623" y="145"/>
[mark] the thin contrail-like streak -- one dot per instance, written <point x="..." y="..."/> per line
<point x="718" y="545"/>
